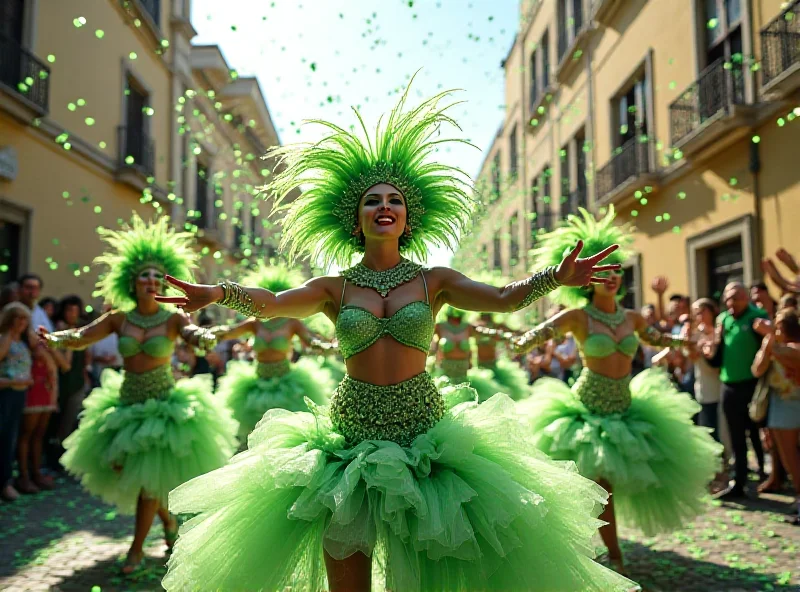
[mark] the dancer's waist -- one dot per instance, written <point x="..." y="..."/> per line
<point x="397" y="412"/>
<point x="267" y="370"/>
<point x="455" y="368"/>
<point x="601" y="394"/>
<point x="153" y="384"/>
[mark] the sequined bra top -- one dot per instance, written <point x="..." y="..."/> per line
<point x="279" y="343"/>
<point x="448" y="344"/>
<point x="159" y="346"/>
<point x="357" y="328"/>
<point x="602" y="345"/>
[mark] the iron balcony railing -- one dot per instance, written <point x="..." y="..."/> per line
<point x="136" y="150"/>
<point x="719" y="88"/>
<point x="24" y="73"/>
<point x="631" y="160"/>
<point x="780" y="43"/>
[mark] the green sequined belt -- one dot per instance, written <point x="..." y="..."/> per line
<point x="266" y="370"/>
<point x="153" y="384"/>
<point x="397" y="412"/>
<point x="603" y="395"/>
<point x="455" y="369"/>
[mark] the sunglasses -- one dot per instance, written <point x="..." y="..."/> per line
<point x="608" y="274"/>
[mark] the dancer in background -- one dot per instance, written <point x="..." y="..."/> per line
<point x="141" y="434"/>
<point x="273" y="381"/>
<point x="635" y="437"/>
<point x="448" y="496"/>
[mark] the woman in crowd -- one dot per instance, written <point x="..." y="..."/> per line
<point x="448" y="496"/>
<point x="141" y="434"/>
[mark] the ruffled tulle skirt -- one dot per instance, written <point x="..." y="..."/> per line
<point x="469" y="504"/>
<point x="511" y="378"/>
<point x="503" y="376"/>
<point x="657" y="461"/>
<point x="152" y="446"/>
<point x="251" y="389"/>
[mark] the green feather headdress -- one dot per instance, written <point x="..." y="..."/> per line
<point x="335" y="172"/>
<point x="137" y="246"/>
<point x="596" y="236"/>
<point x="274" y="277"/>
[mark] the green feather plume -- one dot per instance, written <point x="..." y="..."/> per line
<point x="335" y="172"/>
<point x="596" y="236"/>
<point x="136" y="246"/>
<point x="275" y="277"/>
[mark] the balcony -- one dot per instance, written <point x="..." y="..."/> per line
<point x="24" y="77"/>
<point x="604" y="11"/>
<point x="137" y="157"/>
<point x="538" y="107"/>
<point x="780" y="54"/>
<point x="631" y="166"/>
<point x="711" y="111"/>
<point x="571" y="45"/>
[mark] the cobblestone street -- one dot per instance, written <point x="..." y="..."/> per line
<point x="68" y="540"/>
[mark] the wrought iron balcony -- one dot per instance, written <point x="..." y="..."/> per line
<point x="711" y="98"/>
<point x="25" y="76"/>
<point x="780" y="53"/>
<point x="136" y="151"/>
<point x="631" y="165"/>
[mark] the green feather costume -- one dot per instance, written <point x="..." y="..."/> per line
<point x="465" y="504"/>
<point x="637" y="434"/>
<point x="250" y="389"/>
<point x="144" y="433"/>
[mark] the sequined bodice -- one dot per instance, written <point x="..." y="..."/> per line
<point x="357" y="328"/>
<point x="603" y="395"/>
<point x="450" y="340"/>
<point x="159" y="346"/>
<point x="276" y="343"/>
<point x="602" y="345"/>
<point x="138" y="387"/>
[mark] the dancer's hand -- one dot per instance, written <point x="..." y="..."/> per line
<point x="763" y="327"/>
<point x="195" y="296"/>
<point x="581" y="272"/>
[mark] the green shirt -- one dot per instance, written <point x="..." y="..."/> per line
<point x="741" y="344"/>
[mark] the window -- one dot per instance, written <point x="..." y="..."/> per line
<point x="136" y="144"/>
<point x="10" y="250"/>
<point x="566" y="180"/>
<point x="498" y="253"/>
<point x="725" y="264"/>
<point x="630" y="287"/>
<point x="512" y="154"/>
<point x="496" y="175"/>
<point x="201" y="196"/>
<point x="541" y="213"/>
<point x="545" y="50"/>
<point x="540" y="70"/>
<point x="534" y="73"/>
<point x="723" y="35"/>
<point x="513" y="230"/>
<point x="570" y="22"/>
<point x="12" y="18"/>
<point x="631" y="112"/>
<point x="153" y="8"/>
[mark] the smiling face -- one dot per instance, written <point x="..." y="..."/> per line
<point x="382" y="213"/>
<point x="611" y="289"/>
<point x="149" y="283"/>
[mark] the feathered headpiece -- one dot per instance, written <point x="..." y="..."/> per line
<point x="137" y="246"/>
<point x="274" y="277"/>
<point x="335" y="172"/>
<point x="596" y="236"/>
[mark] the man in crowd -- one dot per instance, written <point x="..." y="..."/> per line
<point x="30" y="288"/>
<point x="733" y="351"/>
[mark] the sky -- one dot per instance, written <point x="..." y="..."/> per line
<point x="318" y="58"/>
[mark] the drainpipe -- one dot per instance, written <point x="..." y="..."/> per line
<point x="758" y="223"/>
<point x="523" y="169"/>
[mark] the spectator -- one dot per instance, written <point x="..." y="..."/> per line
<point x="40" y="402"/>
<point x="30" y="288"/>
<point x="788" y="301"/>
<point x="104" y="354"/>
<point x="759" y="295"/>
<point x="733" y="351"/>
<point x="50" y="307"/>
<point x="9" y="293"/>
<point x="784" y="404"/>
<point x="15" y="379"/>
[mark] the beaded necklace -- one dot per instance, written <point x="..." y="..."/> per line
<point x="148" y="321"/>
<point x="382" y="281"/>
<point x="610" y="319"/>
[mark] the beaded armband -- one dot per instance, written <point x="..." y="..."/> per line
<point x="534" y="338"/>
<point x="322" y="348"/>
<point x="654" y="337"/>
<point x="66" y="339"/>
<point x="540" y="283"/>
<point x="236" y="297"/>
<point x="499" y="333"/>
<point x="205" y="338"/>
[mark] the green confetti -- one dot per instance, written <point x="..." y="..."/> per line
<point x="89" y="121"/>
<point x="51" y="58"/>
<point x="99" y="33"/>
<point x="132" y="55"/>
<point x="97" y="209"/>
<point x="79" y="22"/>
<point x="756" y="139"/>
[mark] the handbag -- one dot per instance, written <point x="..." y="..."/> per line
<point x="759" y="404"/>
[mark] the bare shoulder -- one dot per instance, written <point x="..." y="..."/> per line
<point x="330" y="284"/>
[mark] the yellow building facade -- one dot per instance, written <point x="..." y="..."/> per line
<point x="105" y="108"/>
<point x="685" y="116"/>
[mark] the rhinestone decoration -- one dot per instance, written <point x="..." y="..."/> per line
<point x="148" y="321"/>
<point x="541" y="284"/>
<point x="612" y="320"/>
<point x="267" y="370"/>
<point x="138" y="387"/>
<point x="398" y="412"/>
<point x="603" y="395"/>
<point x="357" y="329"/>
<point x="385" y="281"/>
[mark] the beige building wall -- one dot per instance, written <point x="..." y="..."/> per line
<point x="648" y="115"/>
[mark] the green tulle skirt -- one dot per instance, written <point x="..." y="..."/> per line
<point x="152" y="445"/>
<point x="511" y="378"/>
<point x="468" y="505"/>
<point x="251" y="389"/>
<point x="658" y="462"/>
<point x="501" y="377"/>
